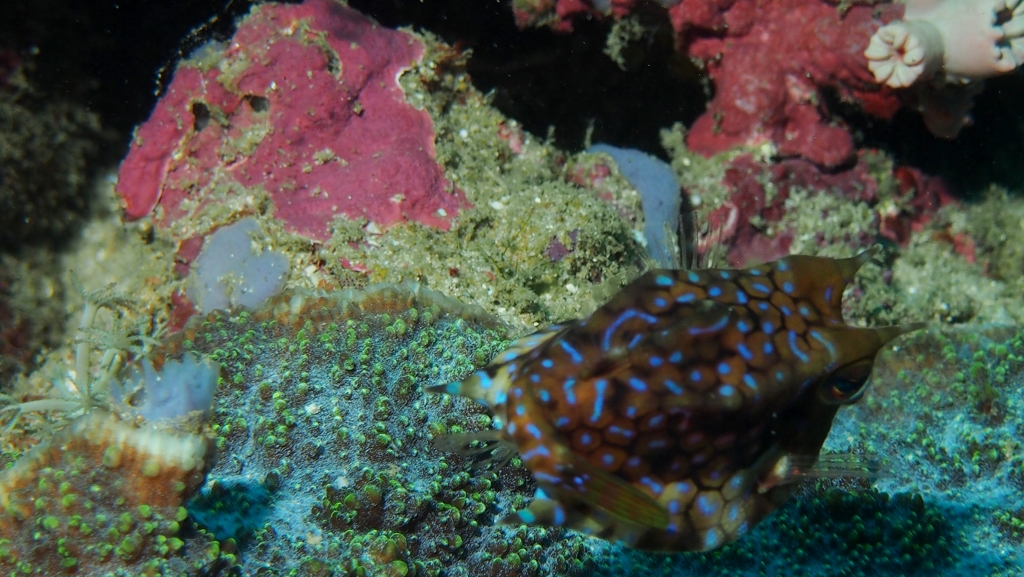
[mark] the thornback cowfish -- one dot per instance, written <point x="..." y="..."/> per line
<point x="683" y="411"/>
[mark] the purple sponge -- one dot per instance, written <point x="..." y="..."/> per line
<point x="228" y="273"/>
<point x="177" y="389"/>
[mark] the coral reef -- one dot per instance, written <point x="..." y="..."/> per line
<point x="105" y="497"/>
<point x="856" y="532"/>
<point x="324" y="439"/>
<point x="506" y="187"/>
<point x="959" y="40"/>
<point x="326" y="462"/>
<point x="525" y="201"/>
<point x="823" y="49"/>
<point x="945" y="408"/>
<point x="759" y="208"/>
<point x="776" y="96"/>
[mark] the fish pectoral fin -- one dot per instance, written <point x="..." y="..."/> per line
<point x="492" y="445"/>
<point x="542" y="511"/>
<point x="793" y="468"/>
<point x="602" y="490"/>
<point x="840" y="465"/>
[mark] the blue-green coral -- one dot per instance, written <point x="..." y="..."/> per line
<point x="945" y="406"/>
<point x="326" y="465"/>
<point x="824" y="530"/>
<point x="324" y="435"/>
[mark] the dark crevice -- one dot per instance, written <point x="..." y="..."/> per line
<point x="988" y="151"/>
<point x="201" y="113"/>
<point x="564" y="81"/>
<point x="257" y="103"/>
<point x="113" y="56"/>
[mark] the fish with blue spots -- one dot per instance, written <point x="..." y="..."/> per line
<point x="684" y="410"/>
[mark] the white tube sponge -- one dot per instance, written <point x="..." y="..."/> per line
<point x="961" y="40"/>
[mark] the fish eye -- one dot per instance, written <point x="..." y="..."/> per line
<point x="846" y="385"/>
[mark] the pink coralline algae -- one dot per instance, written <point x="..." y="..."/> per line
<point x="770" y="61"/>
<point x="741" y="222"/>
<point x="303" y="102"/>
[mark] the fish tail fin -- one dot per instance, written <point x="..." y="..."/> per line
<point x="475" y="386"/>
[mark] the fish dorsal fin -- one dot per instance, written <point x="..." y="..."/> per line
<point x="705" y="324"/>
<point x="602" y="490"/>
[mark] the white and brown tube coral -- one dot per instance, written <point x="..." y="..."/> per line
<point x="963" y="40"/>
<point x="943" y="48"/>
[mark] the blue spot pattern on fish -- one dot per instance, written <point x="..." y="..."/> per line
<point x="678" y="414"/>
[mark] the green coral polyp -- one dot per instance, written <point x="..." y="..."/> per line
<point x="340" y="383"/>
<point x="91" y="510"/>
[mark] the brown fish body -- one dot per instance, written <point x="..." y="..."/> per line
<point x="670" y="418"/>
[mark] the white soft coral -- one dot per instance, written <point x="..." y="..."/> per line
<point x="956" y="40"/>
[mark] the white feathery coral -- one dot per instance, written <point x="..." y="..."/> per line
<point x="953" y="40"/>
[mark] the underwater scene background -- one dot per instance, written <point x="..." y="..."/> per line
<point x="248" y="251"/>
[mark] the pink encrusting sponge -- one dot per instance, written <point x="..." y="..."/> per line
<point x="304" y="103"/>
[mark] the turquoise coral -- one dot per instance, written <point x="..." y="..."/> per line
<point x="326" y="464"/>
<point x="826" y="530"/>
<point x="946" y="408"/>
